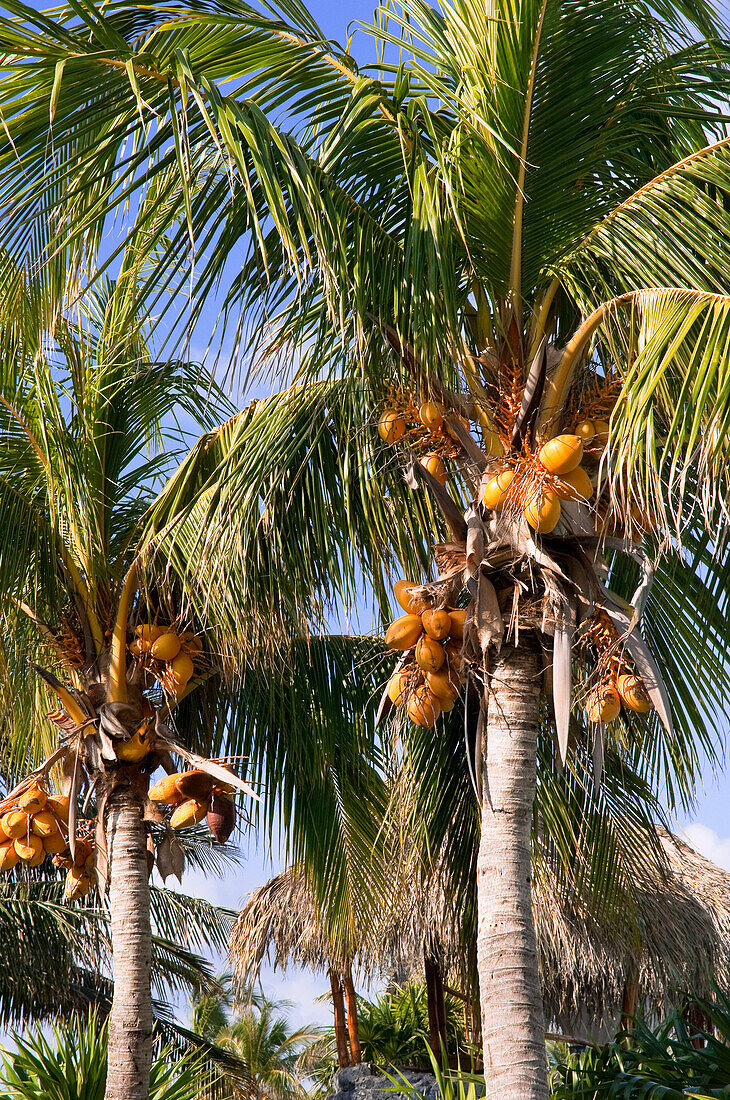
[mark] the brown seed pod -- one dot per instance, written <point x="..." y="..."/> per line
<point x="195" y="784"/>
<point x="221" y="817"/>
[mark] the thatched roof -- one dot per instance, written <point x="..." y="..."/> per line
<point x="677" y="937"/>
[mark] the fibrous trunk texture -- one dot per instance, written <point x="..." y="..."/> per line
<point x="338" y="1006"/>
<point x="353" y="1023"/>
<point x="513" y="1027"/>
<point x="130" y="1021"/>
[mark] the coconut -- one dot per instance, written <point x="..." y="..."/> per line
<point x="561" y="454"/>
<point x="221" y="817"/>
<point x="391" y="426"/>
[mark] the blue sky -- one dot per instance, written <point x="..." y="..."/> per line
<point x="707" y="827"/>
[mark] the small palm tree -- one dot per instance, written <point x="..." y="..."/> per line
<point x="259" y="1035"/>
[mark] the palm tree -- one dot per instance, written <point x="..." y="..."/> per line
<point x="259" y="1035"/>
<point x="88" y="427"/>
<point x="517" y="220"/>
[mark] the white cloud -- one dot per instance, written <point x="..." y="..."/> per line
<point x="709" y="843"/>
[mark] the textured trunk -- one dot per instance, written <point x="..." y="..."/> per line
<point x="630" y="999"/>
<point x="130" y="1021"/>
<point x="353" y="1024"/>
<point x="338" y="1006"/>
<point x="513" y="1028"/>
<point x="436" y="1005"/>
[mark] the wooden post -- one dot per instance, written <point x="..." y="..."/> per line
<point x="353" y="1025"/>
<point x="338" y="1006"/>
<point x="436" y="1005"/>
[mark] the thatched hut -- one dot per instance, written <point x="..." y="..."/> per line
<point x="672" y="939"/>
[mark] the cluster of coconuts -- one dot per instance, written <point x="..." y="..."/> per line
<point x="34" y="827"/>
<point x="176" y="653"/>
<point x="194" y="795"/>
<point x="393" y="425"/>
<point x="80" y="870"/>
<point x="429" y="682"/>
<point x="623" y="689"/>
<point x="540" y="496"/>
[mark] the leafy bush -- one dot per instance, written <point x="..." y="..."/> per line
<point x="653" y="1064"/>
<point x="71" y="1064"/>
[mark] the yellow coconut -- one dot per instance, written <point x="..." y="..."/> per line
<point x="43" y="823"/>
<point x="397" y="686"/>
<point x="435" y="467"/>
<point x="561" y="454"/>
<point x="457" y="617"/>
<point x="78" y="884"/>
<point x="182" y="668"/>
<point x="55" y="844"/>
<point x="404" y="632"/>
<point x="575" y="485"/>
<point x="437" y="624"/>
<point x="391" y="426"/>
<point x="542" y="510"/>
<point x="602" y="430"/>
<point x="166" y="647"/>
<point x="603" y="704"/>
<point x="444" y="684"/>
<point x="431" y="416"/>
<point x="430" y="655"/>
<point x="58" y="804"/>
<point x="423" y="707"/>
<point x="8" y="856"/>
<point x="585" y="430"/>
<point x="165" y="790"/>
<point x="188" y="813"/>
<point x="32" y="800"/>
<point x="634" y="695"/>
<point x="136" y="748"/>
<point x="402" y="593"/>
<point x="15" y="824"/>
<point x="497" y="489"/>
<point x="28" y="847"/>
<point x="149" y="632"/>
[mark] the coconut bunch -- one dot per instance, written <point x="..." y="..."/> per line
<point x="33" y="825"/>
<point x="194" y="795"/>
<point x="80" y="867"/>
<point x="423" y="424"/>
<point x="620" y="684"/>
<point x="169" y="655"/>
<point x="428" y="679"/>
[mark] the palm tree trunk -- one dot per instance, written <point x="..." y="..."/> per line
<point x="130" y="1021"/>
<point x="436" y="1005"/>
<point x="513" y="1027"/>
<point x="338" y="1006"/>
<point x="353" y="1024"/>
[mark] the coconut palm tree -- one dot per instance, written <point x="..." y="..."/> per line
<point x="258" y="1034"/>
<point x="89" y="427"/>
<point x="509" y="232"/>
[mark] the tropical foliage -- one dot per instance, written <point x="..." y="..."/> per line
<point x="69" y="1062"/>
<point x="671" y="1061"/>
